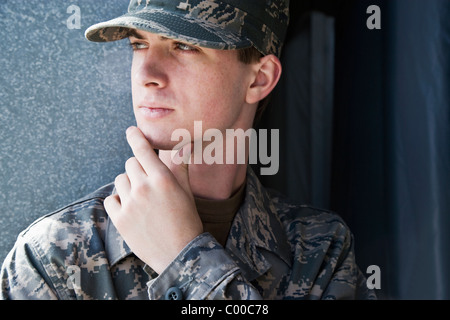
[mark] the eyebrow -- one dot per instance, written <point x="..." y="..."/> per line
<point x="135" y="33"/>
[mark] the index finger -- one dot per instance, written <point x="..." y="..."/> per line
<point x="143" y="150"/>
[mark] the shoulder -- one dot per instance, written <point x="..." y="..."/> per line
<point x="309" y="224"/>
<point x="69" y="226"/>
<point x="56" y="245"/>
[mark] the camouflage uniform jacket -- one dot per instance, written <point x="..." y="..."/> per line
<point x="275" y="250"/>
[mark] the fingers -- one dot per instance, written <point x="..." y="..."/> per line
<point x="134" y="170"/>
<point x="123" y="185"/>
<point x="150" y="195"/>
<point x="124" y="182"/>
<point x="112" y="205"/>
<point x="146" y="163"/>
<point x="142" y="150"/>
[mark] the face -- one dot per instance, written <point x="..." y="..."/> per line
<point x="175" y="84"/>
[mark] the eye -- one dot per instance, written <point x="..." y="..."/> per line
<point x="138" y="46"/>
<point x="185" y="47"/>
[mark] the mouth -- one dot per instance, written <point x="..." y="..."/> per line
<point x="152" y="112"/>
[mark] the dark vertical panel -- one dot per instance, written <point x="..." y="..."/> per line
<point x="358" y="186"/>
<point x="321" y="119"/>
<point x="302" y="108"/>
<point x="419" y="114"/>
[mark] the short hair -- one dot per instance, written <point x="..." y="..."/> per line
<point x="248" y="56"/>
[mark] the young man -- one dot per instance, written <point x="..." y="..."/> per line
<point x="171" y="229"/>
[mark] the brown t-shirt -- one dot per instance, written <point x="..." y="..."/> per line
<point x="217" y="215"/>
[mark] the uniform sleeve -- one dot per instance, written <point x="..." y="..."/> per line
<point x="347" y="281"/>
<point x="203" y="271"/>
<point x="23" y="277"/>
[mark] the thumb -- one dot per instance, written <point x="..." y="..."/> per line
<point x="179" y="165"/>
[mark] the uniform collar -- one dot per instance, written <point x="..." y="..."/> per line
<point x="255" y="227"/>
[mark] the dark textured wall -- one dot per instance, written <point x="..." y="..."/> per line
<point x="65" y="103"/>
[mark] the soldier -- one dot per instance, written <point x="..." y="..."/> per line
<point x="173" y="230"/>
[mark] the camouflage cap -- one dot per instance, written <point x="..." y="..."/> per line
<point x="216" y="24"/>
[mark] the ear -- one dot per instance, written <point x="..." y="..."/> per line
<point x="266" y="76"/>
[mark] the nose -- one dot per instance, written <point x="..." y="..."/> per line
<point x="149" y="68"/>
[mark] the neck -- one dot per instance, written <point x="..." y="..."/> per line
<point x="221" y="181"/>
<point x="213" y="182"/>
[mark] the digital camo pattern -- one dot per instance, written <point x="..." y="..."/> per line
<point x="225" y="24"/>
<point x="275" y="250"/>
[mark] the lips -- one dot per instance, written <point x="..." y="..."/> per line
<point x="154" y="111"/>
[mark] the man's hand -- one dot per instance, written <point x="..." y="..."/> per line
<point x="154" y="209"/>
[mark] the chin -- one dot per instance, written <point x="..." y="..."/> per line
<point x="159" y="140"/>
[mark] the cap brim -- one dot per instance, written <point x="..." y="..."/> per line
<point x="167" y="24"/>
